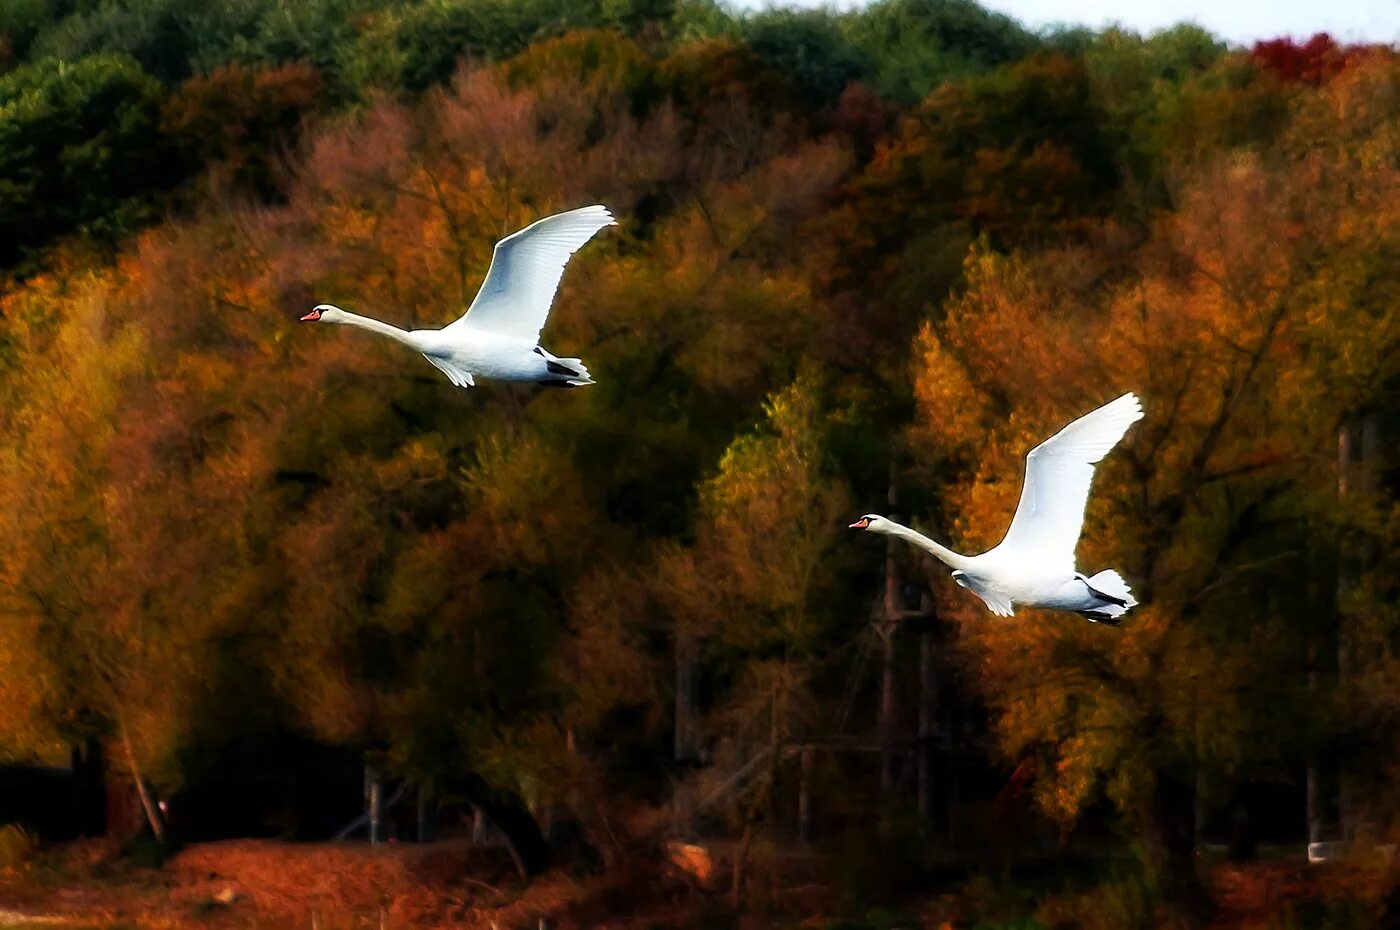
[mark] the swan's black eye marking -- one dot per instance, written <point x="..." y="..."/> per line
<point x="539" y="351"/>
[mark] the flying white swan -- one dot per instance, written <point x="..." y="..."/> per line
<point x="498" y="336"/>
<point x="1033" y="566"/>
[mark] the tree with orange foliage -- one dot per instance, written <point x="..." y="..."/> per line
<point x="240" y="120"/>
<point x="1251" y="323"/>
<point x="102" y="644"/>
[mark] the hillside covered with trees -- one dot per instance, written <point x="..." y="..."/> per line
<point x="865" y="262"/>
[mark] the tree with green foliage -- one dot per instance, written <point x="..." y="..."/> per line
<point x="170" y="39"/>
<point x="754" y="596"/>
<point x="917" y="45"/>
<point x="80" y="149"/>
<point x="1137" y="82"/>
<point x="422" y="44"/>
<point x="810" y="48"/>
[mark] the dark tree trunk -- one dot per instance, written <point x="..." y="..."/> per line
<point x="885" y="627"/>
<point x="1357" y="471"/>
<point x="1170" y="834"/>
<point x="928" y="713"/>
<point x="424" y="812"/>
<point x="804" y="796"/>
<point x="1244" y="833"/>
<point x="687" y="736"/>
<point x="886" y="721"/>
<point x="154" y="818"/>
<point x="89" y="791"/>
<point x="687" y="698"/>
<point x="508" y="812"/>
<point x="741" y="856"/>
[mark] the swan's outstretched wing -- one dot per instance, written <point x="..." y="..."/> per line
<point x="525" y="270"/>
<point x="1058" y="474"/>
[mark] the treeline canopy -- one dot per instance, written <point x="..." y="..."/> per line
<point x="892" y="246"/>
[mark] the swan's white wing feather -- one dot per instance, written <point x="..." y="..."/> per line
<point x="996" y="602"/>
<point x="526" y="266"/>
<point x="1059" y="472"/>
<point x="457" y="375"/>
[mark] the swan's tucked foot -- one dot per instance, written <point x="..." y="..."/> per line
<point x="571" y="371"/>
<point x="1112" y="615"/>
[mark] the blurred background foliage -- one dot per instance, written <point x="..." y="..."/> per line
<point x="887" y="248"/>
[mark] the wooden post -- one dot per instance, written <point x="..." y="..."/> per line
<point x="376" y="811"/>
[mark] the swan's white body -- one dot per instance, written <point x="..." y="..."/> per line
<point x="498" y="336"/>
<point x="1033" y="565"/>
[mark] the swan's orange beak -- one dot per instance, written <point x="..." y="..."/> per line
<point x="312" y="317"/>
<point x="860" y="524"/>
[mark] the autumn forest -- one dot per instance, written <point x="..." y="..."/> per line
<point x="286" y="582"/>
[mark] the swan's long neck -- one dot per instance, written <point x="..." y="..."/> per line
<point x="945" y="555"/>
<point x="374" y="326"/>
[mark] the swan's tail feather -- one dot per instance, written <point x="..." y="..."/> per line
<point x="1109" y="585"/>
<point x="1117" y="598"/>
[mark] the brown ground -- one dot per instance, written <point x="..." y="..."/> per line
<point x="1256" y="895"/>
<point x="336" y="886"/>
<point x="257" y="883"/>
